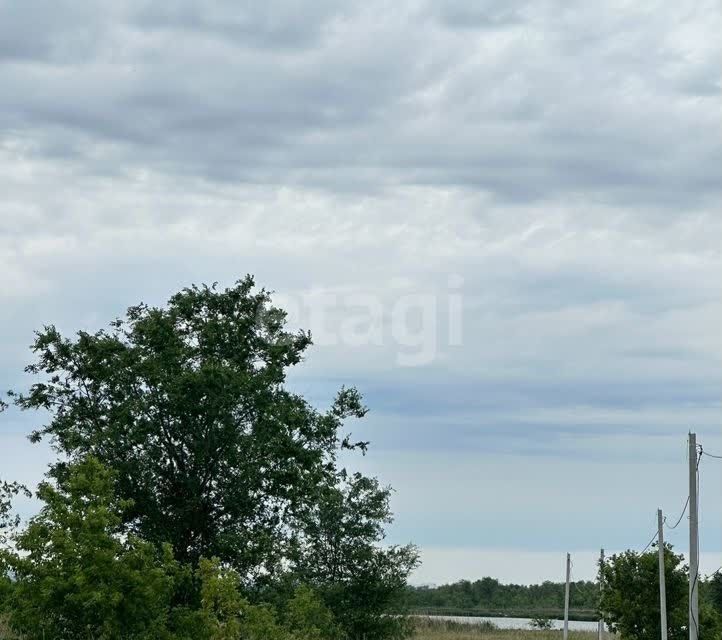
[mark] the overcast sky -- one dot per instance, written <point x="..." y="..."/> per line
<point x="522" y="197"/>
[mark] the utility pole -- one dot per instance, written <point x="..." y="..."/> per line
<point x="662" y="585"/>
<point x="693" y="541"/>
<point x="566" y="598"/>
<point x="600" y="627"/>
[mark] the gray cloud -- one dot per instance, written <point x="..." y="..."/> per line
<point x="545" y="100"/>
<point x="286" y="25"/>
<point x="560" y="159"/>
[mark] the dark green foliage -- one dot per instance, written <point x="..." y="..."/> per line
<point x="630" y="603"/>
<point x="712" y="590"/>
<point x="211" y="455"/>
<point x="488" y="595"/>
<point x="338" y="553"/>
<point x="9" y="523"/>
<point x="73" y="577"/>
<point x="541" y="623"/>
<point x="710" y="623"/>
<point x="710" y="602"/>
<point x="223" y="613"/>
<point x="308" y="617"/>
<point x="186" y="403"/>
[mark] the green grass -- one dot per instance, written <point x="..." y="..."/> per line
<point x="449" y="630"/>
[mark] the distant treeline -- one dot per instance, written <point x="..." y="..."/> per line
<point x="488" y="596"/>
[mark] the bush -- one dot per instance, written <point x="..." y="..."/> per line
<point x="630" y="599"/>
<point x="308" y="618"/>
<point x="73" y="577"/>
<point x="543" y="624"/>
<point x="70" y="575"/>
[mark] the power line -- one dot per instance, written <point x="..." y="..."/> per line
<point x="650" y="543"/>
<point x="576" y="584"/>
<point x="686" y="505"/>
<point x="702" y="452"/>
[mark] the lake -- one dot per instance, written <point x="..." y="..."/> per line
<point x="517" y="623"/>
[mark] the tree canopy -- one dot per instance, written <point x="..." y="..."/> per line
<point x="630" y="602"/>
<point x="212" y="455"/>
<point x="489" y="595"/>
<point x="187" y="403"/>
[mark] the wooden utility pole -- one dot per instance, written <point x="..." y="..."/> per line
<point x="693" y="541"/>
<point x="566" y="598"/>
<point x="662" y="585"/>
<point x="600" y="626"/>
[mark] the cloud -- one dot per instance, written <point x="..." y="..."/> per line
<point x="557" y="100"/>
<point x="557" y="162"/>
<point x="285" y="25"/>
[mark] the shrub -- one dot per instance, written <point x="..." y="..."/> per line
<point x="541" y="623"/>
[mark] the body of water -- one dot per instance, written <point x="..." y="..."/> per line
<point x="517" y="623"/>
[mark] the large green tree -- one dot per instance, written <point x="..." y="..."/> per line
<point x="630" y="599"/>
<point x="187" y="404"/>
<point x="212" y="453"/>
